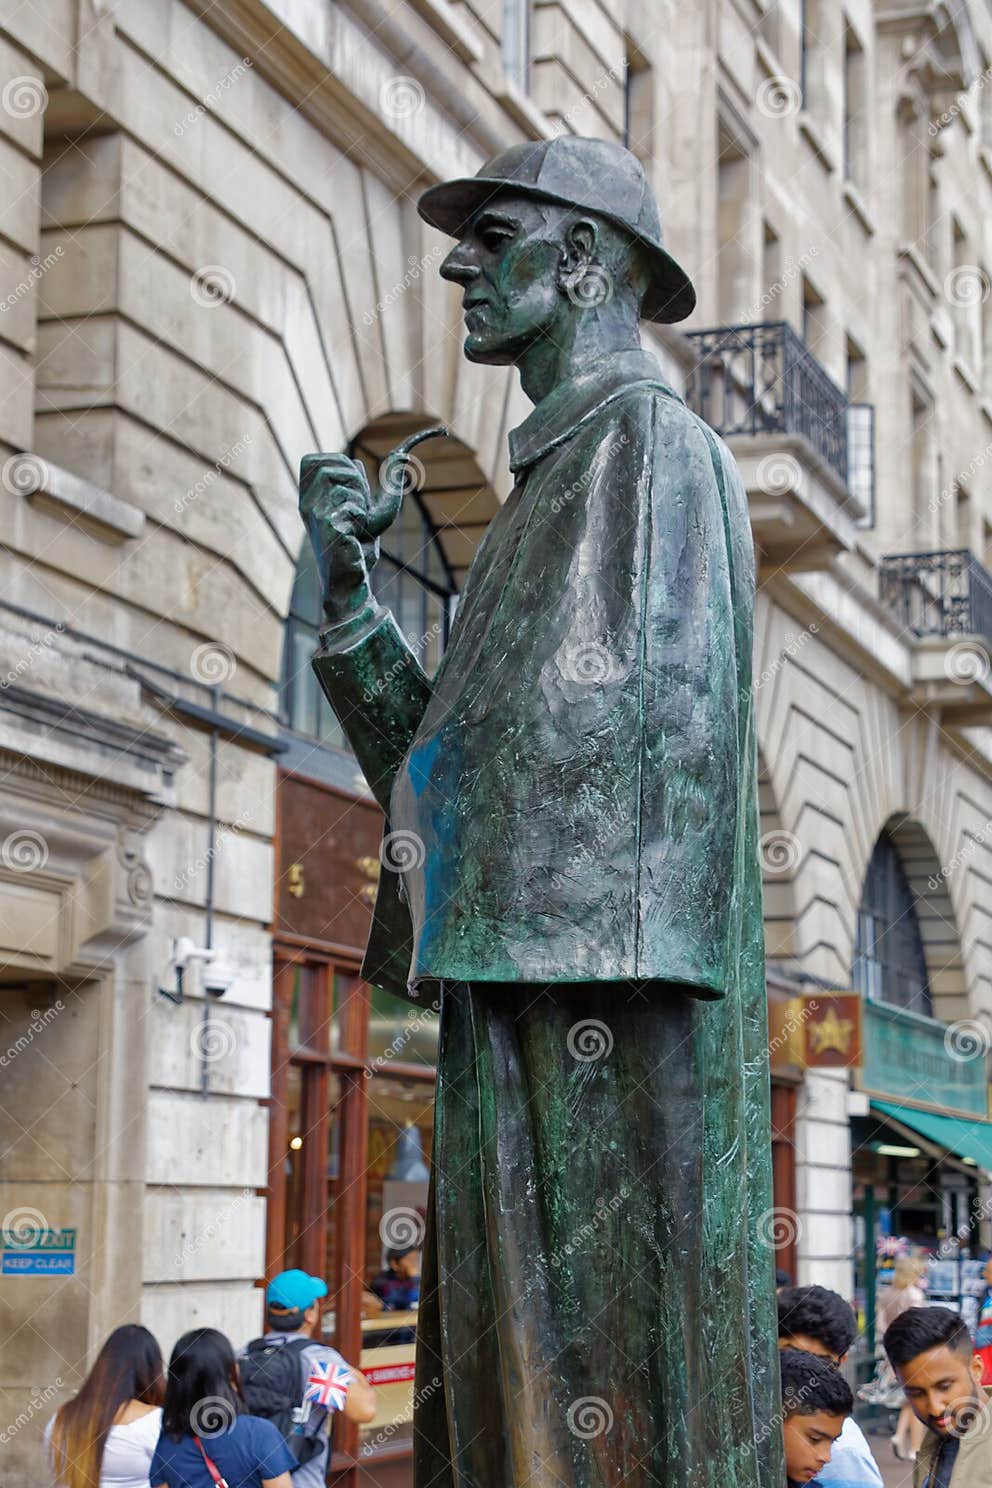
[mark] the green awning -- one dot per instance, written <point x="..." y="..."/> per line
<point x="966" y="1136"/>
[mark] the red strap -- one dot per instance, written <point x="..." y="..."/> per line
<point x="212" y="1467"/>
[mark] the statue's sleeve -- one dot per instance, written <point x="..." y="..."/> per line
<point x="378" y="690"/>
<point x="691" y="756"/>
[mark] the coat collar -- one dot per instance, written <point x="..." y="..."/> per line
<point x="558" y="415"/>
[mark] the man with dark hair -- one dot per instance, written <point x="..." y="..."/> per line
<point x="819" y="1321"/>
<point x="933" y="1356"/>
<point x="816" y="1401"/>
<point x="398" y="1286"/>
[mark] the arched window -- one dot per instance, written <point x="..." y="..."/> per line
<point x="889" y="964"/>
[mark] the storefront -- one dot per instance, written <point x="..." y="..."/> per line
<point x="921" y="1144"/>
<point x="351" y="1112"/>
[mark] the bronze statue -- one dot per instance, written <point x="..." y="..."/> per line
<point x="579" y="780"/>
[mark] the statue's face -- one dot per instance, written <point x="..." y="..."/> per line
<point x="508" y="262"/>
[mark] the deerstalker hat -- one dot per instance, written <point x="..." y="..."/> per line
<point x="594" y="175"/>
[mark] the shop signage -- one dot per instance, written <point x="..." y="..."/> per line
<point x="33" y="1251"/>
<point x="831" y="1023"/>
<point x="915" y="1060"/>
<point x="389" y="1374"/>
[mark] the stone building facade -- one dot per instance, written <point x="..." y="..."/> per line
<point x="211" y="264"/>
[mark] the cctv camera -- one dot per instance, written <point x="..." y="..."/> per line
<point x="215" y="981"/>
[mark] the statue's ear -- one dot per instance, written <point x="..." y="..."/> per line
<point x="579" y="242"/>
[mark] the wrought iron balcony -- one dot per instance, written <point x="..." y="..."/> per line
<point x="938" y="594"/>
<point x="762" y="379"/>
<point x="944" y="600"/>
<point x="804" y="450"/>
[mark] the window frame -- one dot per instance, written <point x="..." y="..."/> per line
<point x="349" y="1061"/>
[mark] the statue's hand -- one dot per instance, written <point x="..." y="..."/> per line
<point x="345" y="521"/>
<point x="337" y="510"/>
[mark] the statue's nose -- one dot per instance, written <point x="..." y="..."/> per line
<point x="459" y="268"/>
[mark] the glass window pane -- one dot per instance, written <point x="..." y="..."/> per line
<point x="313" y="1009"/>
<point x="400" y="1032"/>
<point x="400" y="1128"/>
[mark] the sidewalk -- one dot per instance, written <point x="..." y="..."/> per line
<point x="894" y="1474"/>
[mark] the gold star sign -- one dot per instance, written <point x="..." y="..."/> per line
<point x="831" y="1032"/>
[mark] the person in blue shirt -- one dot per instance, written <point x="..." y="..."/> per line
<point x="816" y="1401"/>
<point x="398" y="1287"/>
<point x="820" y="1322"/>
<point x="206" y="1436"/>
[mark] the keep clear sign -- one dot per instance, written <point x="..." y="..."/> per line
<point x="31" y="1249"/>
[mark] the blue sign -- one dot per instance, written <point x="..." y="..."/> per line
<point x="31" y="1249"/>
<point x="37" y="1263"/>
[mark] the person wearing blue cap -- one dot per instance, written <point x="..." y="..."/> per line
<point x="297" y="1381"/>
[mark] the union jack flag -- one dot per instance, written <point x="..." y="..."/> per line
<point x="327" y="1384"/>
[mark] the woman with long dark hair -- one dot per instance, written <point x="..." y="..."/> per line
<point x="105" y="1436"/>
<point x="206" y="1436"/>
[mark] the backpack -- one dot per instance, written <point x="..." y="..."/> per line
<point x="271" y="1383"/>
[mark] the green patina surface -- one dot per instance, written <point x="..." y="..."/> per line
<point x="571" y="855"/>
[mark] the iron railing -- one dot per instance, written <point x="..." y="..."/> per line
<point x="761" y="379"/>
<point x="946" y="593"/>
